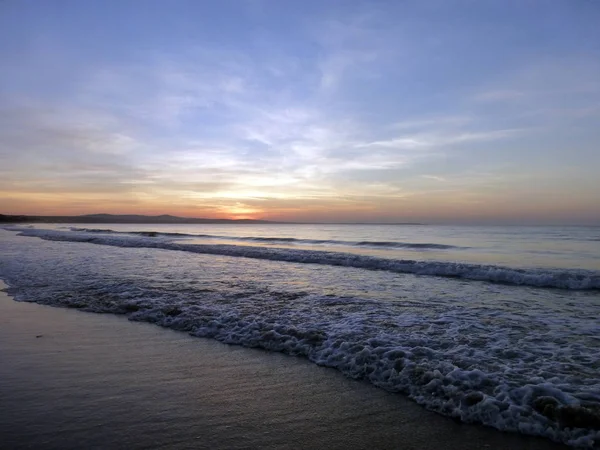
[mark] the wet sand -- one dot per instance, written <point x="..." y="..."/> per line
<point x="71" y="380"/>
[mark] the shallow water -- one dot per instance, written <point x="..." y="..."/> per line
<point x="479" y="343"/>
<point x="552" y="247"/>
<point x="97" y="382"/>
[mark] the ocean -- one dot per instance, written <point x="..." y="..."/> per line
<point x="490" y="325"/>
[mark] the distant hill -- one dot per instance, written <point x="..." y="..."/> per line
<point x="116" y="218"/>
<point x="164" y="218"/>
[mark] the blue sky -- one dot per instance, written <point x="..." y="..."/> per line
<point x="440" y="111"/>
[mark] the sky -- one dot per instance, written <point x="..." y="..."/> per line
<point x="437" y="111"/>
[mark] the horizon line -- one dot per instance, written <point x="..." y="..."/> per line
<point x="15" y="218"/>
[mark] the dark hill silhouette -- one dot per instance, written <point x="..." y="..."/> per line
<point x="121" y="218"/>
<point x="164" y="219"/>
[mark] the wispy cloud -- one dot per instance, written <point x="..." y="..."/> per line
<point x="434" y="177"/>
<point x="571" y="80"/>
<point x="351" y="45"/>
<point x="499" y="95"/>
<point x="432" y="140"/>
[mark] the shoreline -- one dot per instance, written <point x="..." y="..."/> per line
<point x="73" y="380"/>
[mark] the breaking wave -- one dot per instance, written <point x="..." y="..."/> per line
<point x="281" y="240"/>
<point x="574" y="279"/>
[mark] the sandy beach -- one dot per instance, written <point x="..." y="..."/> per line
<point x="75" y="380"/>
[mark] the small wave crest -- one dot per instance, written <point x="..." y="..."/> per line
<point x="282" y="240"/>
<point x="574" y="279"/>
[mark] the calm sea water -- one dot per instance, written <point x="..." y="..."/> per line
<point x="496" y="325"/>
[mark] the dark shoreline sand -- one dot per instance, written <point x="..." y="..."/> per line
<point x="73" y="380"/>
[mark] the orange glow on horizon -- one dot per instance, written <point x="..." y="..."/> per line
<point x="240" y="211"/>
<point x="432" y="208"/>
